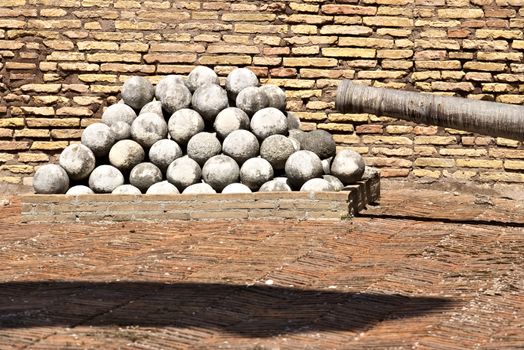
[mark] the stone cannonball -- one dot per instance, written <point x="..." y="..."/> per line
<point x="78" y="161"/>
<point x="184" y="124"/>
<point x="145" y="175"/>
<point x="153" y="107"/>
<point x="203" y="146"/>
<point x="268" y="121"/>
<point x="98" y="138"/>
<point x="229" y="120"/>
<point x="296" y="144"/>
<point x="255" y="172"/>
<point x="137" y="92"/>
<point x="276" y="96"/>
<point x="200" y="188"/>
<point x="126" y="189"/>
<point x="335" y="182"/>
<point x="238" y="80"/>
<point x="251" y="100"/>
<point x="50" y="179"/>
<point x="297" y="134"/>
<point x="79" y="190"/>
<point x="122" y="130"/>
<point x="293" y="121"/>
<point x="241" y="145"/>
<point x="276" y="185"/>
<point x="184" y="172"/>
<point x="175" y="98"/>
<point x="201" y="76"/>
<point x="105" y="178"/>
<point x="276" y="149"/>
<point x="148" y="128"/>
<point x="326" y="165"/>
<point x="119" y="112"/>
<point x="348" y="166"/>
<point x="319" y="142"/>
<point x="163" y="187"/>
<point x="302" y="166"/>
<point x="236" y="188"/>
<point x="317" y="185"/>
<point x="209" y="100"/>
<point x="166" y="83"/>
<point x="220" y="171"/>
<point x="164" y="152"/>
<point x="125" y="154"/>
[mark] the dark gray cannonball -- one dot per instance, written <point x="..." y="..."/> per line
<point x="326" y="165"/>
<point x="122" y="130"/>
<point x="297" y="134"/>
<point x="164" y="152"/>
<point x="99" y="138"/>
<point x="238" y="80"/>
<point x="276" y="185"/>
<point x="50" y="179"/>
<point x="276" y="96"/>
<point x="302" y="166"/>
<point x="184" y="124"/>
<point x="125" y="154"/>
<point x="184" y="172"/>
<point x="201" y="76"/>
<point x="203" y="146"/>
<point x="276" y="149"/>
<point x="175" y="98"/>
<point x="127" y="189"/>
<point x="241" y="145"/>
<point x="137" y="92"/>
<point x="163" y="187"/>
<point x="255" y="172"/>
<point x="335" y="182"/>
<point x="153" y="107"/>
<point x="229" y="120"/>
<point x="105" y="178"/>
<point x="200" y="188"/>
<point x="220" y="171"/>
<point x="268" y="121"/>
<point x="118" y="112"/>
<point x="166" y="83"/>
<point x="145" y="175"/>
<point x="148" y="128"/>
<point x="317" y="185"/>
<point x="348" y="166"/>
<point x="79" y="190"/>
<point x="251" y="100"/>
<point x="209" y="100"/>
<point x="78" y="161"/>
<point x="319" y="142"/>
<point x="293" y="121"/>
<point x="236" y="188"/>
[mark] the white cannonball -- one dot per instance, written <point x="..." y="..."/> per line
<point x="269" y="121"/>
<point x="126" y="189"/>
<point x="238" y="80"/>
<point x="148" y="128"/>
<point x="276" y="96"/>
<point x="153" y="107"/>
<point x="145" y="175"/>
<point x="50" y="179"/>
<point x="302" y="166"/>
<point x="99" y="138"/>
<point x="105" y="178"/>
<point x="166" y="83"/>
<point x="241" y="145"/>
<point x="209" y="100"/>
<point x="229" y="120"/>
<point x="276" y="149"/>
<point x="251" y="100"/>
<point x="317" y="185"/>
<point x="348" y="166"/>
<point x="137" y="92"/>
<point x="220" y="171"/>
<point x="200" y="188"/>
<point x="276" y="185"/>
<point x="203" y="146"/>
<point x="184" y="124"/>
<point x="164" y="152"/>
<point x="175" y="98"/>
<point x="184" y="172"/>
<point x="78" y="161"/>
<point x="201" y="76"/>
<point x="121" y="130"/>
<point x="125" y="154"/>
<point x="163" y="187"/>
<point x="255" y="172"/>
<point x="236" y="188"/>
<point x="118" y="112"/>
<point x="335" y="182"/>
<point x="79" y="190"/>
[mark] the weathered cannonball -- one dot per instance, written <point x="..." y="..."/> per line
<point x="127" y="189"/>
<point x="297" y="134"/>
<point x="293" y="121"/>
<point x="125" y="154"/>
<point x="201" y="76"/>
<point x="348" y="166"/>
<point x="209" y="100"/>
<point x="255" y="172"/>
<point x="105" y="178"/>
<point x="302" y="166"/>
<point x="148" y="128"/>
<point x="335" y="182"/>
<point x="175" y="98"/>
<point x="118" y="112"/>
<point x="268" y="121"/>
<point x="79" y="190"/>
<point x="370" y="173"/>
<point x="229" y="120"/>
<point x="78" y="161"/>
<point x="203" y="146"/>
<point x="163" y="187"/>
<point x="319" y="142"/>
<point x="251" y="100"/>
<point x="121" y="130"/>
<point x="236" y="188"/>
<point x="153" y="107"/>
<point x="326" y="165"/>
<point x="220" y="171"/>
<point x="238" y="80"/>
<point x="276" y="96"/>
<point x="184" y="172"/>
<point x="241" y="145"/>
<point x="144" y="175"/>
<point x="184" y="124"/>
<point x="166" y="83"/>
<point x="50" y="179"/>
<point x="200" y="188"/>
<point x="137" y="92"/>
<point x="276" y="149"/>
<point x="276" y="185"/>
<point x="99" y="138"/>
<point x="164" y="152"/>
<point x="317" y="185"/>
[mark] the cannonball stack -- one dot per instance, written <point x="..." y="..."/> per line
<point x="191" y="135"/>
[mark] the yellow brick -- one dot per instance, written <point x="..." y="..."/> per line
<point x="258" y="28"/>
<point x="435" y="162"/>
<point x="348" y="52"/>
<point x="49" y="145"/>
<point x="514" y="165"/>
<point x="500" y="176"/>
<point x="394" y="53"/>
<point x="479" y="163"/>
<point x="498" y="34"/>
<point x="32" y="133"/>
<point x="248" y="17"/>
<point x="18" y="169"/>
<point x="507" y="142"/>
<point x="309" y="62"/>
<point x="225" y="59"/>
<point x="346" y="139"/>
<point x="11" y="122"/>
<point x="336" y="127"/>
<point x="32" y="157"/>
<point x="360" y="118"/>
<point x="399" y="129"/>
<point x="10" y="179"/>
<point x="460" y="174"/>
<point x="389" y="140"/>
<point x="345" y="30"/>
<point x="460" y="13"/>
<point x="463" y="152"/>
<point x="97" y="45"/>
<point x="381" y="74"/>
<point x="435" y="174"/>
<point x="388" y="21"/>
<point x="304" y="29"/>
<point x="366" y="42"/>
<point x="311" y="116"/>
<point x="435" y="140"/>
<point x="132" y="25"/>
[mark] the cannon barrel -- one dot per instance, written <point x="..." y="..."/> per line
<point x="483" y="117"/>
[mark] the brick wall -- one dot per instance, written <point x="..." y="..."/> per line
<point x="63" y="61"/>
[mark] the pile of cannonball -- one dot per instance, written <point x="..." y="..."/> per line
<point x="191" y="135"/>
